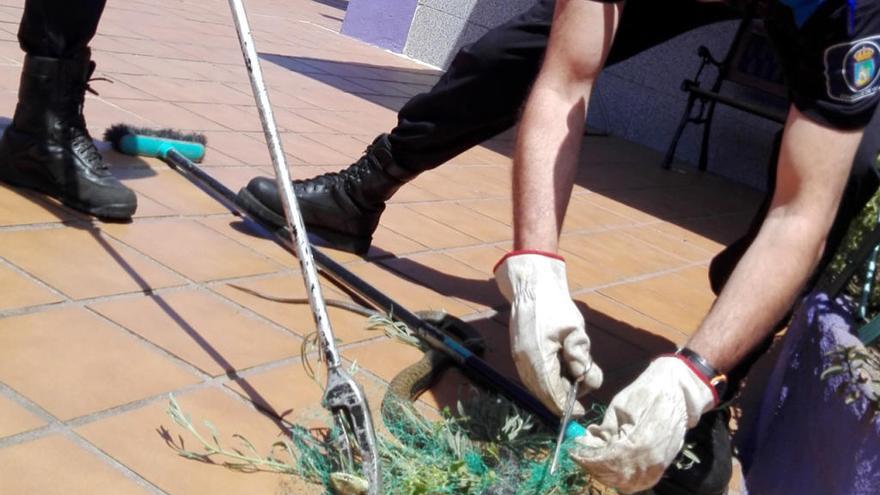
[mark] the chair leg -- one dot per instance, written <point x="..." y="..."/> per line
<point x="685" y="118"/>
<point x="703" y="164"/>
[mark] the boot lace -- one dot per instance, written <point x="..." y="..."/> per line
<point x="352" y="174"/>
<point x="81" y="141"/>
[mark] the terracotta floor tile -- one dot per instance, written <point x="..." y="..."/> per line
<point x="347" y="145"/>
<point x="385" y="358"/>
<point x="72" y="363"/>
<point x="674" y="203"/>
<point x="628" y="324"/>
<point x="583" y="273"/>
<point x="21" y="207"/>
<point x="387" y="241"/>
<point x="134" y="439"/>
<point x="682" y="246"/>
<point x="475" y="182"/>
<point x="423" y="229"/>
<point x="167" y="114"/>
<point x="16" y="419"/>
<point x="584" y="215"/>
<point x="287" y="392"/>
<point x="411" y="295"/>
<point x="249" y="148"/>
<point x="611" y="202"/>
<point x="83" y="263"/>
<point x="236" y="118"/>
<point x="170" y="189"/>
<point x="248" y="233"/>
<point x="498" y="209"/>
<point x="302" y="149"/>
<point x="204" y="331"/>
<point x="679" y="299"/>
<point x="448" y="184"/>
<point x="412" y="193"/>
<point x="175" y="243"/>
<point x="482" y="258"/>
<point x="56" y="466"/>
<point x="450" y="278"/>
<point x="465" y="220"/>
<point x="619" y="254"/>
<point x="148" y="208"/>
<point x="259" y="294"/>
<point x="711" y="233"/>
<point x="16" y="291"/>
<point x="290" y="121"/>
<point x="340" y="121"/>
<point x="102" y="113"/>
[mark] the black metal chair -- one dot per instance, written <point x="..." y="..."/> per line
<point x="752" y="66"/>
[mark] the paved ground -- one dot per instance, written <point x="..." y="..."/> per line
<point x="100" y="322"/>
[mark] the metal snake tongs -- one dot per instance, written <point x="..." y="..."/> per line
<point x="343" y="397"/>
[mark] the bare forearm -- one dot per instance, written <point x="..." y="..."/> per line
<point x="814" y="164"/>
<point x="760" y="291"/>
<point x="545" y="158"/>
<point x="546" y="161"/>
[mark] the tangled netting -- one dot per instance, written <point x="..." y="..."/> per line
<point x="489" y="447"/>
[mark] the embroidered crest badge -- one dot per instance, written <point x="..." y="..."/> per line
<point x="852" y="69"/>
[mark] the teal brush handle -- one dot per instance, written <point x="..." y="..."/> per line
<point x="133" y="144"/>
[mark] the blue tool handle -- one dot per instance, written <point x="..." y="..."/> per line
<point x="138" y="145"/>
<point x="574" y="430"/>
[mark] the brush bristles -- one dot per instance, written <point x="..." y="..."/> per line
<point x="116" y="132"/>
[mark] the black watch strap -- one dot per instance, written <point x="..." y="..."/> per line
<point x="715" y="379"/>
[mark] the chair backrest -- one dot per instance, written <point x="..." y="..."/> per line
<point x="754" y="63"/>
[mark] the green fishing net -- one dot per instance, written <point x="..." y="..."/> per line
<point x="488" y="446"/>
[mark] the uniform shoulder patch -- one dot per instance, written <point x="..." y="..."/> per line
<point x="852" y="69"/>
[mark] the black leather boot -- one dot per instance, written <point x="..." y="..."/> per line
<point x="47" y="146"/>
<point x="710" y="468"/>
<point x="342" y="207"/>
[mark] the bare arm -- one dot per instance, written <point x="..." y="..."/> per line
<point x="551" y="130"/>
<point x="814" y="164"/>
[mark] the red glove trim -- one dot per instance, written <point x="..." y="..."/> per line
<point x="703" y="378"/>
<point x="527" y="251"/>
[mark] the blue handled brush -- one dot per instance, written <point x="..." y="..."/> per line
<point x="138" y="141"/>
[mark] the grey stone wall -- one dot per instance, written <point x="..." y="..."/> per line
<point x="639" y="99"/>
<point x="441" y="27"/>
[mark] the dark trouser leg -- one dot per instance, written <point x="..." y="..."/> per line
<point x="862" y="185"/>
<point x="488" y="81"/>
<point x="478" y="97"/>
<point x="58" y="28"/>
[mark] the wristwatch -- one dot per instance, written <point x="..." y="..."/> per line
<point x="717" y="381"/>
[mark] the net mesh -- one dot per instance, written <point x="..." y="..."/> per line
<point x="488" y="447"/>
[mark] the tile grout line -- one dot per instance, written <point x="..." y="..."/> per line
<point x="55" y="425"/>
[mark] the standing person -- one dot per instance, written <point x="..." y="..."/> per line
<point x="47" y="147"/>
<point x="830" y="53"/>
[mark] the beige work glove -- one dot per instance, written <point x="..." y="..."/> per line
<point x="644" y="426"/>
<point x="547" y="331"/>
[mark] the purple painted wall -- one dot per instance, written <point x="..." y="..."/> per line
<point x="382" y="23"/>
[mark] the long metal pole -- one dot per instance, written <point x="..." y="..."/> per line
<point x="342" y="396"/>
<point x="291" y="208"/>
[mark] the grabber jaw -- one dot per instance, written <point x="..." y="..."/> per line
<point x="346" y="400"/>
